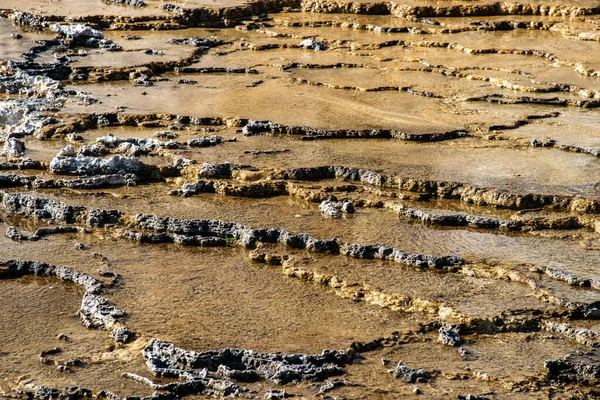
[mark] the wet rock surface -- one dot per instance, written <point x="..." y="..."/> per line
<point x="249" y="177"/>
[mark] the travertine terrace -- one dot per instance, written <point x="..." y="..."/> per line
<point x="299" y="198"/>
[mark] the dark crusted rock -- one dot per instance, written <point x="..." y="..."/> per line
<point x="165" y="135"/>
<point x="348" y="207"/>
<point x="143" y="80"/>
<point x="131" y="146"/>
<point x="74" y="137"/>
<point x="182" y="163"/>
<point x="335" y="209"/>
<point x="56" y="350"/>
<point x="97" y="218"/>
<point x="46" y="393"/>
<point x="205" y="141"/>
<point x="200" y="241"/>
<point x="106" y="395"/>
<point x="250" y="237"/>
<point x="267" y="257"/>
<point x="13" y="147"/>
<point x="383" y="252"/>
<point x="277" y="394"/>
<point x="257" y="127"/>
<point x="82" y="35"/>
<point x="449" y="336"/>
<point x="97" y="312"/>
<point x="410" y="375"/>
<point x="74" y="362"/>
<point x="16" y="268"/>
<point x="93" y="150"/>
<point x="148" y="237"/>
<point x="190" y="189"/>
<point x="568" y="277"/>
<point x="14" y="234"/>
<point x="22" y="163"/>
<point x="67" y="151"/>
<point x="592" y="311"/>
<point x="313" y="44"/>
<point x="304" y="241"/>
<point x="165" y="359"/>
<point x="29" y="20"/>
<point x="40" y="183"/>
<point x="268" y="152"/>
<point x="536" y="143"/>
<point x="489" y="223"/>
<point x="218" y="171"/>
<point x="62" y="336"/>
<point x="100" y="181"/>
<point x="196" y="41"/>
<point x="332" y="384"/>
<point x="41" y="232"/>
<point x="122" y="335"/>
<point x="8" y="181"/>
<point x="237" y="375"/>
<point x="68" y="393"/>
<point x="473" y="397"/>
<point x="576" y="368"/>
<point x="87" y="166"/>
<point x="454" y="219"/>
<point x="45" y="209"/>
